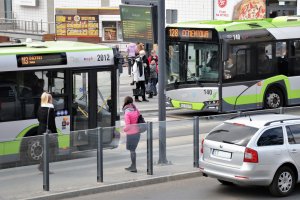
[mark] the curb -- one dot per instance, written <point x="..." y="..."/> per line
<point x="118" y="186"/>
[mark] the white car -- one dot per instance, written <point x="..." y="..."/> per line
<point x="254" y="150"/>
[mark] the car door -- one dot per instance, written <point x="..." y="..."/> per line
<point x="293" y="133"/>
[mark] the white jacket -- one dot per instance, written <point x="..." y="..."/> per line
<point x="136" y="72"/>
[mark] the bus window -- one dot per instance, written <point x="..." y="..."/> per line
<point x="202" y="62"/>
<point x="173" y="63"/>
<point x="264" y="61"/>
<point x="281" y="58"/>
<point x="295" y="57"/>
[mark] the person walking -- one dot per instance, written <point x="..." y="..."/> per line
<point x="131" y="115"/>
<point x="140" y="74"/>
<point x="131" y="50"/>
<point x="153" y="79"/>
<point x="46" y="118"/>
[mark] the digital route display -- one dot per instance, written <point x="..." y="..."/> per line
<point x="189" y="33"/>
<point x="31" y="60"/>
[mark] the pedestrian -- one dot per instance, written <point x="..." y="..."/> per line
<point x="153" y="79"/>
<point x="119" y="59"/>
<point x="131" y="115"/>
<point x="140" y="75"/>
<point x="131" y="50"/>
<point x="46" y="118"/>
<point x="154" y="56"/>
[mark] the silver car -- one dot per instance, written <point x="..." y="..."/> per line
<point x="254" y="150"/>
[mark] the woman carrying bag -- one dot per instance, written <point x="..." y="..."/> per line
<point x="131" y="116"/>
<point x="46" y="118"/>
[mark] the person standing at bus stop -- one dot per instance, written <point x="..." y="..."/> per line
<point x="46" y="118"/>
<point x="131" y="115"/>
<point x="131" y="52"/>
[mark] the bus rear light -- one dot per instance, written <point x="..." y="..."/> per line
<point x="250" y="156"/>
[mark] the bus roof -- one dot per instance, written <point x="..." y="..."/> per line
<point x="51" y="47"/>
<point x="238" y="25"/>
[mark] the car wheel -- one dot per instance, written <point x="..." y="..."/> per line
<point x="283" y="182"/>
<point x="273" y="98"/>
<point x="225" y="182"/>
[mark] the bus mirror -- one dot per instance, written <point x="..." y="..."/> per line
<point x="225" y="50"/>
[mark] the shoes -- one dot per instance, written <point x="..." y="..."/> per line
<point x="137" y="100"/>
<point x="150" y="96"/>
<point x="132" y="83"/>
<point x="145" y="100"/>
<point x="155" y="94"/>
<point x="131" y="169"/>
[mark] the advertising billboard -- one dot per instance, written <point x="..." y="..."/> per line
<point x="70" y="26"/>
<point x="239" y="9"/>
<point x="138" y="23"/>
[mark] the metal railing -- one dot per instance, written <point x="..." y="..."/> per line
<point x="27" y="26"/>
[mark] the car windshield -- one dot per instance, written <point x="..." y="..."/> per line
<point x="193" y="62"/>
<point x="232" y="133"/>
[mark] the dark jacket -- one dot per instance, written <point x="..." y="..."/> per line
<point x="42" y="118"/>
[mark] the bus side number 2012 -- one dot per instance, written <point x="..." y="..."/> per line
<point x="208" y="92"/>
<point x="103" y="57"/>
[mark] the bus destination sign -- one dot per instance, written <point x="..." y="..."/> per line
<point x="32" y="60"/>
<point x="189" y="33"/>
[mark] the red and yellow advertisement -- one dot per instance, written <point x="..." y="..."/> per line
<point x="239" y="9"/>
<point x="70" y="26"/>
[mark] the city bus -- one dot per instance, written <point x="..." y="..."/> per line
<point x="225" y="66"/>
<point x="83" y="80"/>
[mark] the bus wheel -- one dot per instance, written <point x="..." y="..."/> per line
<point x="273" y="98"/>
<point x="31" y="149"/>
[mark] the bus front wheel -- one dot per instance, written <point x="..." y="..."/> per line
<point x="273" y="98"/>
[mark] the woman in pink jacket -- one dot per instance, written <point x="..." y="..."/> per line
<point x="131" y="115"/>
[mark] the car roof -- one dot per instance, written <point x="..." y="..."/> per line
<point x="259" y="121"/>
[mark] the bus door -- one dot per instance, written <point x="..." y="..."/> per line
<point x="92" y="106"/>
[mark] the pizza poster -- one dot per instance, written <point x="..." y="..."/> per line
<point x="239" y="9"/>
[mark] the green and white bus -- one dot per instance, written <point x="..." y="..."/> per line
<point x="83" y="80"/>
<point x="224" y="66"/>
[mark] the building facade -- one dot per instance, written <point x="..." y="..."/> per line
<point x="43" y="12"/>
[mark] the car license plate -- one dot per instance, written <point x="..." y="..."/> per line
<point x="222" y="154"/>
<point x="185" y="105"/>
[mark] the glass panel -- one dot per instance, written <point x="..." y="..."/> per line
<point x="272" y="136"/>
<point x="80" y="101"/>
<point x="104" y="101"/>
<point x="202" y="62"/>
<point x="173" y="67"/>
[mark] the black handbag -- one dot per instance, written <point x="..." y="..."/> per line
<point x="138" y="92"/>
<point x="142" y="124"/>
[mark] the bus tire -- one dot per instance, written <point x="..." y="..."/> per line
<point x="31" y="150"/>
<point x="274" y="98"/>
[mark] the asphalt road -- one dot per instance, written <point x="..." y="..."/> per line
<point x="190" y="189"/>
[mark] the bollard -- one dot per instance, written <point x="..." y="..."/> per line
<point x="196" y="142"/>
<point x="100" y="157"/>
<point x="149" y="148"/>
<point x="46" y="162"/>
<point x="281" y="110"/>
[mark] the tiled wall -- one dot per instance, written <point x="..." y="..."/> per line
<point x="190" y="10"/>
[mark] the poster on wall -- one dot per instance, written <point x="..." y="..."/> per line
<point x="239" y="9"/>
<point x="110" y="34"/>
<point x="71" y="26"/>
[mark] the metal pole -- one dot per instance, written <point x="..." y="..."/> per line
<point x="46" y="162"/>
<point x="196" y="142"/>
<point x="162" y="80"/>
<point x="100" y="156"/>
<point x="150" y="148"/>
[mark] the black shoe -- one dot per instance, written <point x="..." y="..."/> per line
<point x="150" y="96"/>
<point x="132" y="83"/>
<point x="155" y="94"/>
<point x="146" y="100"/>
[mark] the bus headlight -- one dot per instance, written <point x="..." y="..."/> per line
<point x="215" y="102"/>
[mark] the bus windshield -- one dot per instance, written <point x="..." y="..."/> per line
<point x="193" y="62"/>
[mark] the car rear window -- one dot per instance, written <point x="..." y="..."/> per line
<point x="232" y="133"/>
